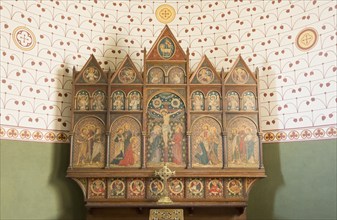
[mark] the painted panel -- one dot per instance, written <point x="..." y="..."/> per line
<point x="206" y="143"/>
<point x="99" y="100"/>
<point x="89" y="143"/>
<point x="213" y="101"/>
<point x="125" y="143"/>
<point x="156" y="76"/>
<point x="134" y="100"/>
<point x="82" y="100"/>
<point x="233" y="101"/>
<point x="198" y="101"/>
<point x="243" y="143"/>
<point x="248" y="101"/>
<point x="166" y="127"/>
<point x="118" y="100"/>
<point x="176" y="75"/>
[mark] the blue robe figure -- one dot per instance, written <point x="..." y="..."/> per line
<point x="203" y="157"/>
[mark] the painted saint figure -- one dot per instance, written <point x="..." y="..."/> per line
<point x="177" y="143"/>
<point x="118" y="102"/>
<point x="155" y="142"/>
<point x="198" y="102"/>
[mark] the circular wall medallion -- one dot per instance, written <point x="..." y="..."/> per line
<point x="306" y="39"/>
<point x="24" y="38"/>
<point x="240" y="75"/>
<point x="166" y="48"/>
<point x="127" y="75"/>
<point x="165" y="13"/>
<point x="195" y="187"/>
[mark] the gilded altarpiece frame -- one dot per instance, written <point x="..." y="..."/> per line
<point x="203" y="124"/>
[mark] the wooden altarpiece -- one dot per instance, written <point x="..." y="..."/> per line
<point x="204" y="125"/>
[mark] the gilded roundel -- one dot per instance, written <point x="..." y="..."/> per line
<point x="195" y="187"/>
<point x="240" y="75"/>
<point x="156" y="187"/>
<point x="97" y="187"/>
<point x="205" y="75"/>
<point x="176" y="186"/>
<point x="136" y="187"/>
<point x="234" y="186"/>
<point x="89" y="142"/>
<point x="165" y="13"/>
<point x="91" y="75"/>
<point x="127" y="75"/>
<point x="117" y="188"/>
<point x="24" y="38"/>
<point x="306" y="39"/>
<point x="215" y="187"/>
<point x="166" y="48"/>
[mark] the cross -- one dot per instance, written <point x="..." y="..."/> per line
<point x="306" y="39"/>
<point x="165" y="13"/>
<point x="165" y="173"/>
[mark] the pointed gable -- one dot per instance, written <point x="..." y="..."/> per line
<point x="240" y="73"/>
<point x="205" y="73"/>
<point x="126" y="73"/>
<point x="91" y="72"/>
<point x="166" y="47"/>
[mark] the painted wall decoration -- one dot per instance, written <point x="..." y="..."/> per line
<point x="307" y="39"/>
<point x="99" y="100"/>
<point x="206" y="143"/>
<point x="166" y="127"/>
<point x="125" y="142"/>
<point x="134" y="100"/>
<point x="248" y="101"/>
<point x="24" y="38"/>
<point x="213" y="101"/>
<point x="127" y="75"/>
<point x="198" y="101"/>
<point x="89" y="143"/>
<point x="298" y="100"/>
<point x="156" y="75"/>
<point x="205" y="76"/>
<point x="118" y="100"/>
<point x="83" y="100"/>
<point x="176" y="75"/>
<point x="233" y="101"/>
<point x="242" y="143"/>
<point x="166" y="48"/>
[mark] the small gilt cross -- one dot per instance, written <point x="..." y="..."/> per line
<point x="165" y="173"/>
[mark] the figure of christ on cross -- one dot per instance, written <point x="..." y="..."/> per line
<point x="166" y="128"/>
